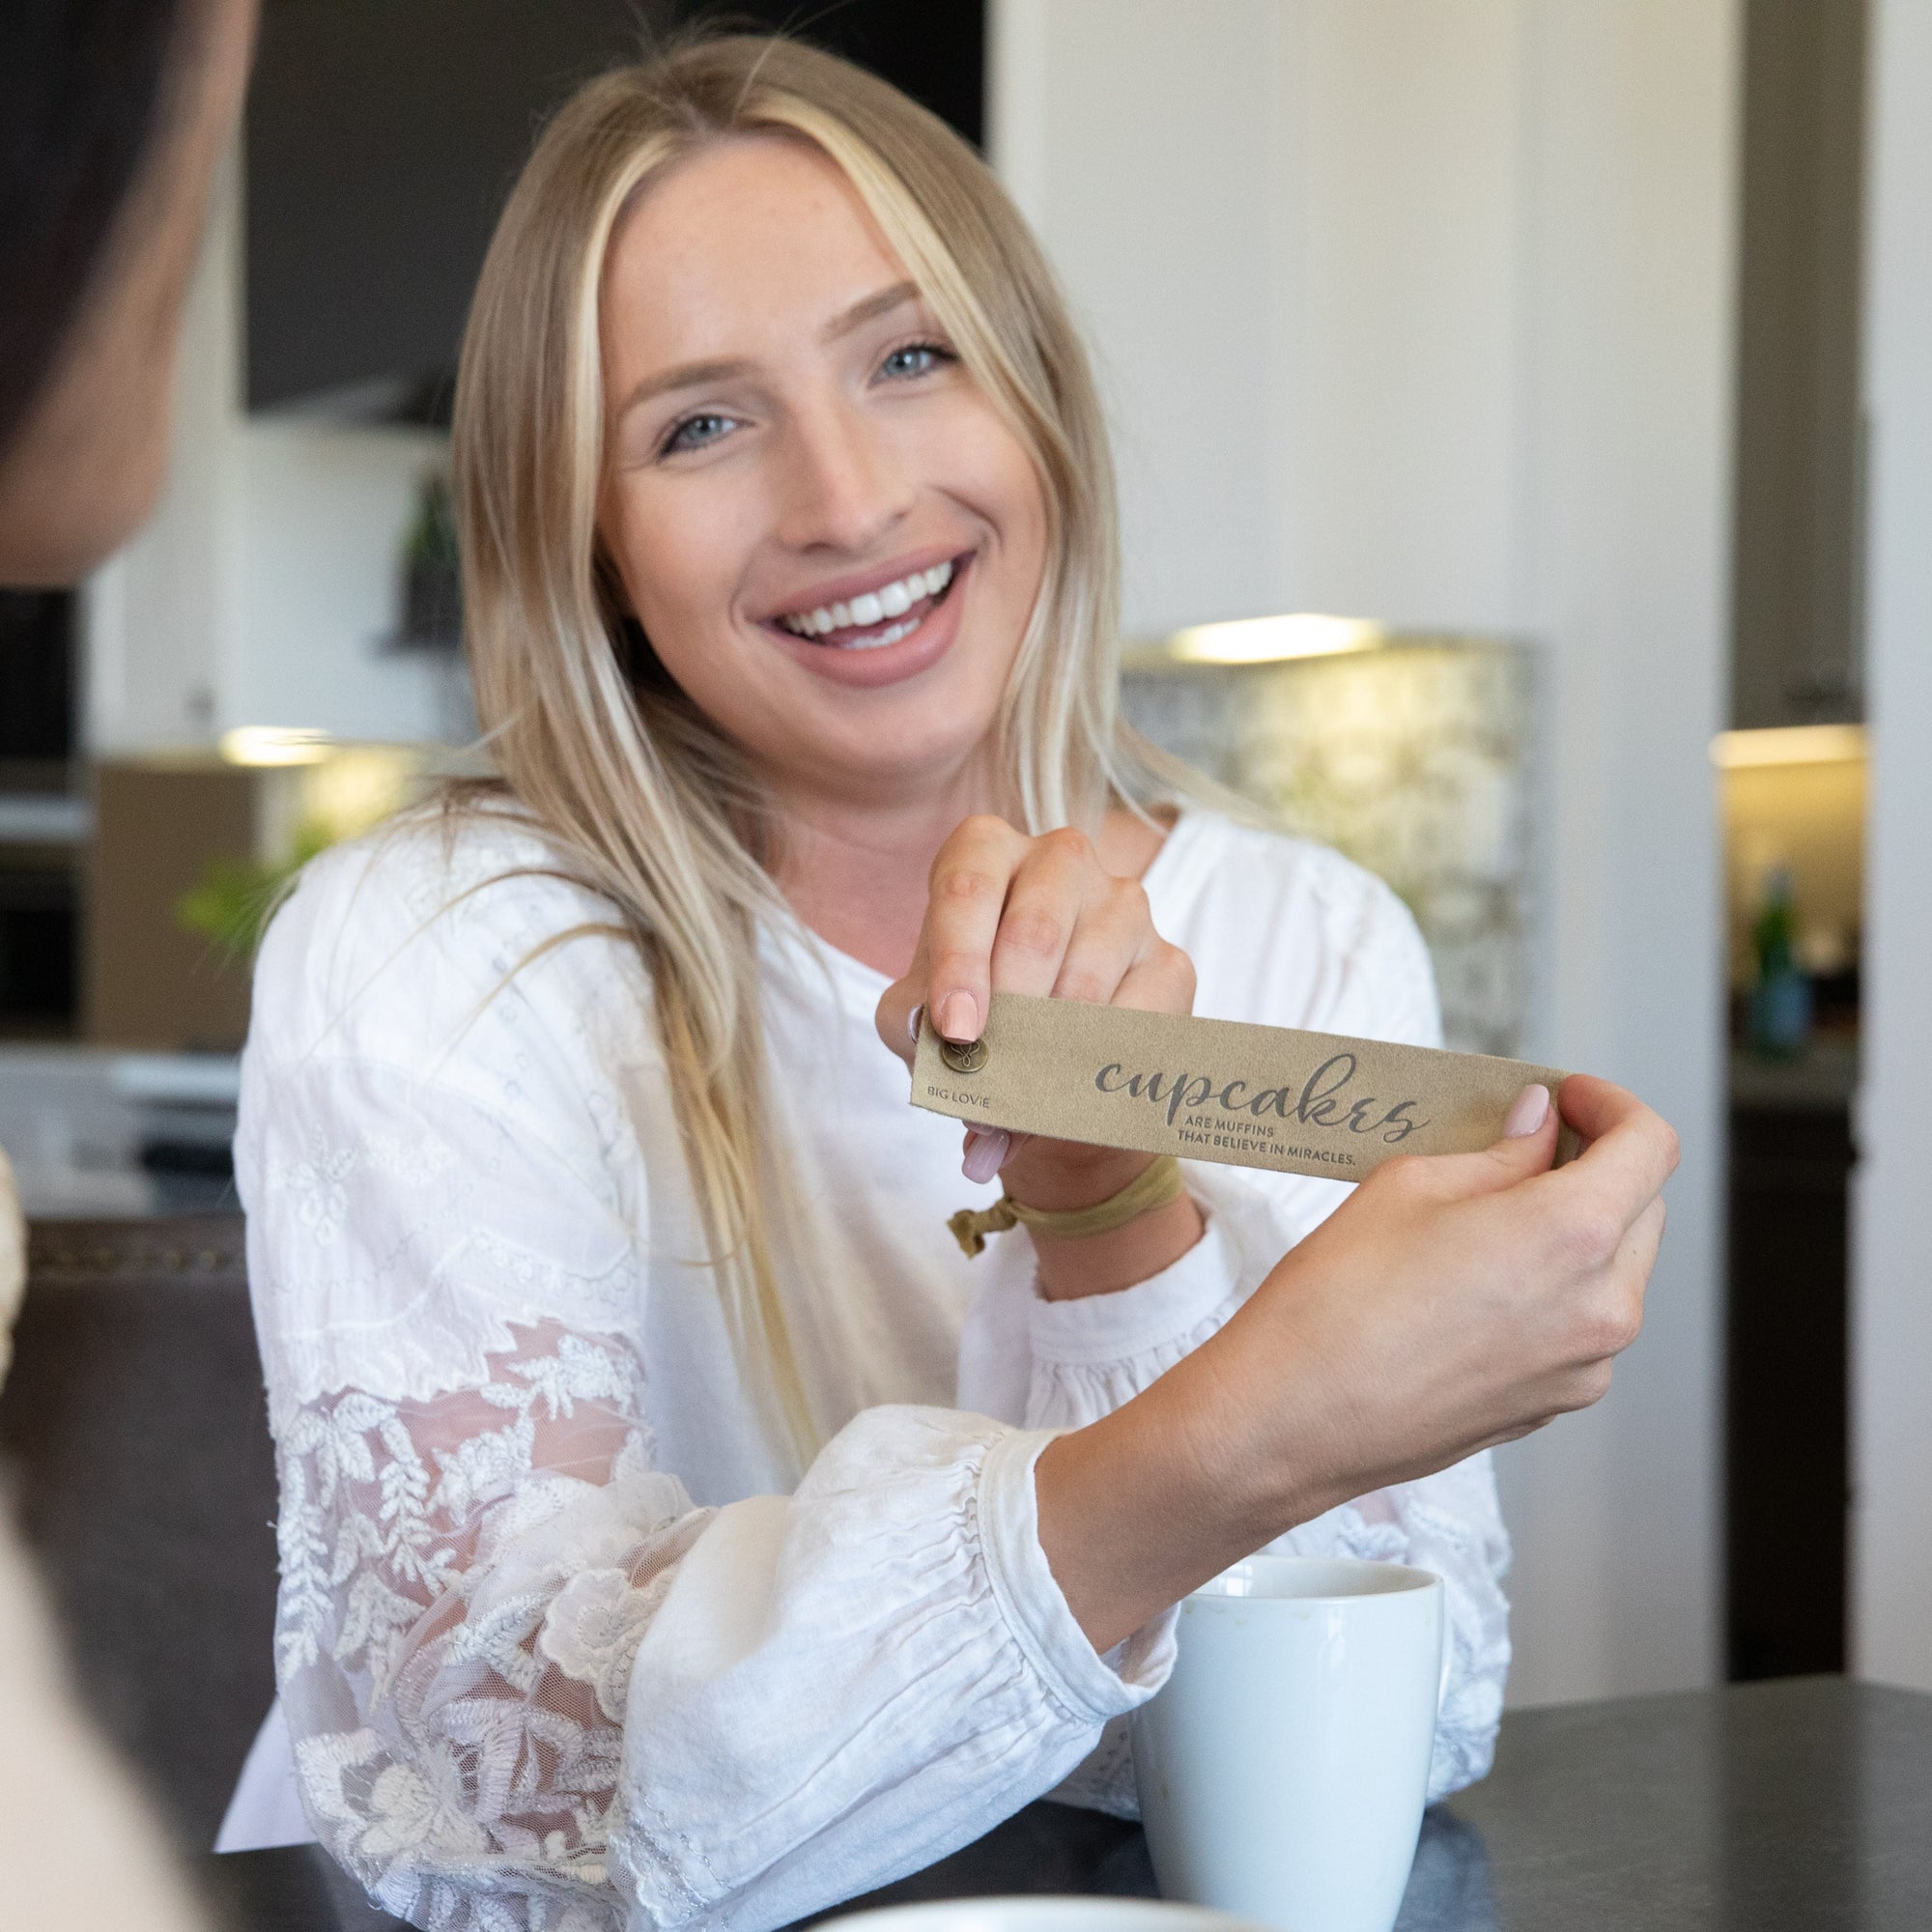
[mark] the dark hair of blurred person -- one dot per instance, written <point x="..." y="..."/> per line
<point x="113" y="114"/>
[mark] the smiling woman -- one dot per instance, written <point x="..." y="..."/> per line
<point x="676" y="1525"/>
<point x="719" y="245"/>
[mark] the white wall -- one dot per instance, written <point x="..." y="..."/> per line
<point x="1891" y="1348"/>
<point x="261" y="591"/>
<point x="1292" y="232"/>
<point x="1170" y="280"/>
<point x="323" y="513"/>
<point x="1623" y="521"/>
<point x="1424" y="312"/>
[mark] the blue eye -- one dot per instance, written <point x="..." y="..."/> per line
<point x="696" y="433"/>
<point x="915" y="359"/>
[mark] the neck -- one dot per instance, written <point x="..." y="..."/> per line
<point x="855" y="873"/>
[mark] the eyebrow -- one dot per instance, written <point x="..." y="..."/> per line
<point x="870" y="309"/>
<point x="694" y="375"/>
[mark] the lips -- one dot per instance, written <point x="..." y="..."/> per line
<point x="871" y="655"/>
<point x="875" y="617"/>
<point x="844" y="623"/>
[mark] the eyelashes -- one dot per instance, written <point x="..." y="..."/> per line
<point x="701" y="428"/>
<point x="939" y="353"/>
<point x="682" y="435"/>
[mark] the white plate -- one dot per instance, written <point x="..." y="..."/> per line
<point x="1044" y="1913"/>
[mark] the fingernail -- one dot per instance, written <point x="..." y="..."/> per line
<point x="912" y="1025"/>
<point x="1528" y="1113"/>
<point x="959" y="1016"/>
<point x="986" y="1151"/>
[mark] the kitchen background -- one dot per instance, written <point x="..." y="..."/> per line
<point x="1494" y="385"/>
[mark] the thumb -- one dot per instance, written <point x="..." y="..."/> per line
<point x="1527" y="1146"/>
<point x="1528" y="1141"/>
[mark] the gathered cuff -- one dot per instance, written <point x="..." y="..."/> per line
<point x="1087" y="1687"/>
<point x="1200" y="1291"/>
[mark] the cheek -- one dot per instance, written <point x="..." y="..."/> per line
<point x="676" y="563"/>
<point x="1014" y="503"/>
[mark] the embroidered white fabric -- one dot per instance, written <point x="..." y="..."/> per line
<point x="564" y="1638"/>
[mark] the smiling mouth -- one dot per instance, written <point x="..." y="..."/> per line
<point x="877" y="618"/>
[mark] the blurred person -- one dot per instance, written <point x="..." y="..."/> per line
<point x="676" y="1524"/>
<point x="78" y="1846"/>
<point x="112" y="116"/>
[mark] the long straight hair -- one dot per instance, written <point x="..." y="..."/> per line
<point x="646" y="800"/>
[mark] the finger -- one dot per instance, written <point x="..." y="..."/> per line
<point x="1159" y="982"/>
<point x="1005" y="1143"/>
<point x="987" y="1149"/>
<point x="968" y="892"/>
<point x="1110" y="937"/>
<point x="1599" y="1109"/>
<point x="1629" y="1151"/>
<point x="1637" y="1253"/>
<point x="1057" y="883"/>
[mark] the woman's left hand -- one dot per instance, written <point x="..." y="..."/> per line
<point x="1010" y="914"/>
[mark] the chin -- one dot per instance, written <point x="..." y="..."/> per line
<point x="896" y="759"/>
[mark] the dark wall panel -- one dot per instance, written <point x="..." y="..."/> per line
<point x="384" y="134"/>
<point x="35" y="680"/>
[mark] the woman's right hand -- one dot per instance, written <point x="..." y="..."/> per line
<point x="1451" y="1303"/>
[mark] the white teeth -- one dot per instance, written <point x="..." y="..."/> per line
<point x="891" y="635"/>
<point x="893" y="600"/>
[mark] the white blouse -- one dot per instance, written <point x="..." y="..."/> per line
<point x="564" y="1638"/>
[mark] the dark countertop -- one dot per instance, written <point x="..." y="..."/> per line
<point x="1805" y="1805"/>
<point x="1801" y="1802"/>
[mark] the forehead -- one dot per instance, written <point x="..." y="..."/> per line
<point x="749" y="238"/>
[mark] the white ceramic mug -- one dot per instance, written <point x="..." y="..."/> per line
<point x="1284" y="1766"/>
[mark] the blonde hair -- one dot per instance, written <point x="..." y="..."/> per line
<point x="645" y="799"/>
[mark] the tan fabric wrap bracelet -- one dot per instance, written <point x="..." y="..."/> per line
<point x="1154" y="1186"/>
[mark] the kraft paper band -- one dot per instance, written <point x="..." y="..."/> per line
<point x="1220" y="1091"/>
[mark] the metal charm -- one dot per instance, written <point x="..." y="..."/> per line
<point x="966" y="1057"/>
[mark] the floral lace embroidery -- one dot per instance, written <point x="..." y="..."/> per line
<point x="467" y="1581"/>
<point x="592" y="1631"/>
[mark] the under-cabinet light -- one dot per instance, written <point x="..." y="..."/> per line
<point x="275" y="744"/>
<point x="1305" y="634"/>
<point x="1789" y="745"/>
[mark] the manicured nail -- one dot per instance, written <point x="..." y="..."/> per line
<point x="986" y="1151"/>
<point x="912" y="1025"/>
<point x="958" y="1017"/>
<point x="1528" y="1113"/>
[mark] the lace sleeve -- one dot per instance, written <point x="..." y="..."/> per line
<point x="530" y="1687"/>
<point x="465" y="1582"/>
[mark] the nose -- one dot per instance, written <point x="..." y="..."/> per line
<point x="846" y="482"/>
